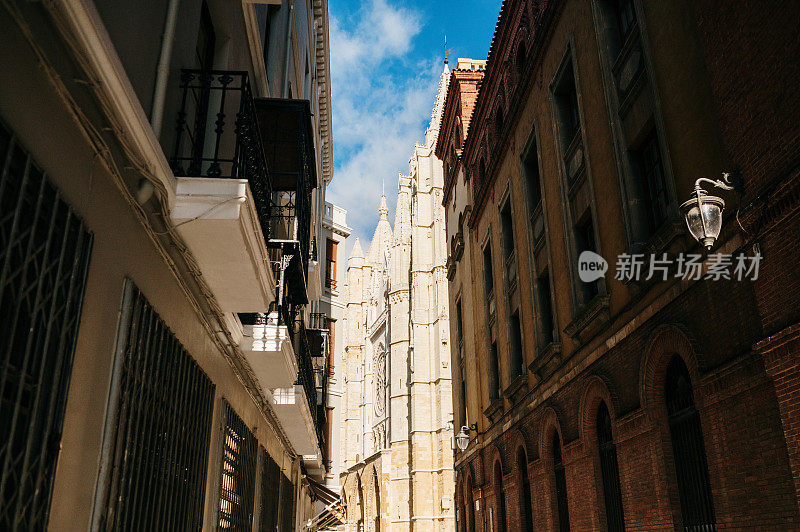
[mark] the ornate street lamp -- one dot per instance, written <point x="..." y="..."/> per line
<point x="703" y="213"/>
<point x="462" y="438"/>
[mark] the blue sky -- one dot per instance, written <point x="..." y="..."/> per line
<point x="386" y="59"/>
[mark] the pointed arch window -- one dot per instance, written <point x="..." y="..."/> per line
<point x="526" y="508"/>
<point x="561" y="485"/>
<point x="688" y="449"/>
<point x="500" y="498"/>
<point x="609" y="469"/>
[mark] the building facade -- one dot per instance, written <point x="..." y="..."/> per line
<point x="332" y="307"/>
<point x="651" y="402"/>
<point x="162" y="358"/>
<point x="396" y="439"/>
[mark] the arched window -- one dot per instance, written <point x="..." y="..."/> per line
<point x="526" y="509"/>
<point x="561" y="485"/>
<point x="499" y="498"/>
<point x="470" y="506"/>
<point x="612" y="494"/>
<point x="688" y="449"/>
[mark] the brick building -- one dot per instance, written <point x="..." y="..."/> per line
<point x="622" y="403"/>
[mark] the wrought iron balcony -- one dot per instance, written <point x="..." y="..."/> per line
<point x="217" y="135"/>
<point x="318" y="337"/>
<point x="287" y="138"/>
<point x="313" y="380"/>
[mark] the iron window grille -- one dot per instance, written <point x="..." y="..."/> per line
<point x="526" y="510"/>
<point x="237" y="475"/>
<point x="561" y="485"/>
<point x="609" y="469"/>
<point x="688" y="449"/>
<point x="270" y="492"/>
<point x="44" y="256"/>
<point x="160" y="428"/>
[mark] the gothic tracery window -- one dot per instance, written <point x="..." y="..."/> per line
<point x="380" y="381"/>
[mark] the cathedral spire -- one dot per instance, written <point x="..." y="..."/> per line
<point x="383" y="210"/>
<point x="357" y="252"/>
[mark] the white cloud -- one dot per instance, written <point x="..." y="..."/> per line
<point x="381" y="105"/>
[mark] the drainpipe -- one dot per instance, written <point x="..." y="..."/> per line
<point x="289" y="17"/>
<point x="162" y="71"/>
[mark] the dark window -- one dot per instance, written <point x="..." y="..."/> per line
<point x="612" y="494"/>
<point x="498" y="123"/>
<point x="517" y="362"/>
<point x="688" y="449"/>
<point x="584" y="241"/>
<point x="330" y="263"/>
<point x="463" y="393"/>
<point x="625" y="18"/>
<point x="532" y="178"/>
<point x="270" y="492"/>
<point x="653" y="186"/>
<point x="566" y="99"/>
<point x="462" y="367"/>
<point x="499" y="498"/>
<point x="44" y="255"/>
<point x="482" y="172"/>
<point x="237" y="476"/>
<point x="206" y="40"/>
<point x="287" y="505"/>
<point x="459" y="328"/>
<point x="494" y="373"/>
<point x="521" y="57"/>
<point x="507" y="225"/>
<point x="545" y="307"/>
<point x="561" y="485"/>
<point x="161" y="430"/>
<point x="204" y="60"/>
<point x="526" y="508"/>
<point x="488" y="274"/>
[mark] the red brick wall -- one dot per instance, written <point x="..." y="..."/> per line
<point x="749" y="466"/>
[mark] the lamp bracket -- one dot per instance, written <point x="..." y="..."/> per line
<point x="730" y="181"/>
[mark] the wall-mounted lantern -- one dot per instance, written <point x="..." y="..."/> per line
<point x="703" y="212"/>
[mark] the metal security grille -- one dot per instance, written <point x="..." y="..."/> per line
<point x="561" y="485"/>
<point x="44" y="255"/>
<point x="238" y="475"/>
<point x="697" y="505"/>
<point x="286" y="505"/>
<point x="159" y="440"/>
<point x="270" y="487"/>
<point x="610" y="471"/>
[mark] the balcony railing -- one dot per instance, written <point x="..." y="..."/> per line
<point x="287" y="138"/>
<point x="311" y="380"/>
<point x="217" y="135"/>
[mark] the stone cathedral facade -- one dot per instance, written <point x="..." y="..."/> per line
<point x="397" y="471"/>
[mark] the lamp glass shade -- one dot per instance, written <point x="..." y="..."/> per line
<point x="703" y="214"/>
<point x="462" y="439"/>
